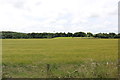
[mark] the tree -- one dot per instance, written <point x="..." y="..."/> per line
<point x="69" y="34"/>
<point x="101" y="35"/>
<point x="79" y="34"/>
<point x="18" y="35"/>
<point x="112" y="35"/>
<point x="89" y="34"/>
<point x="117" y="35"/>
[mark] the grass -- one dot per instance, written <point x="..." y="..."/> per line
<point x="60" y="58"/>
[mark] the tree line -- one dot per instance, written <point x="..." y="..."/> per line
<point x="18" y="35"/>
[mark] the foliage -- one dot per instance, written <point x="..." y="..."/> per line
<point x="18" y="35"/>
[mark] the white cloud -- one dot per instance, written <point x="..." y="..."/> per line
<point x="59" y="15"/>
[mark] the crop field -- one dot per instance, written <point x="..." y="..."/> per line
<point x="60" y="58"/>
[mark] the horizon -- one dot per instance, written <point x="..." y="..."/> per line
<point x="59" y="32"/>
<point x="53" y="16"/>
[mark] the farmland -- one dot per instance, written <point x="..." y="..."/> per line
<point x="60" y="57"/>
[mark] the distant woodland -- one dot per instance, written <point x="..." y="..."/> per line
<point x="18" y="35"/>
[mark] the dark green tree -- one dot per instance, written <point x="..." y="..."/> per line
<point x="89" y="34"/>
<point x="79" y="34"/>
<point x="69" y="34"/>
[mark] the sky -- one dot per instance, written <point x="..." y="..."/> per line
<point x="59" y="16"/>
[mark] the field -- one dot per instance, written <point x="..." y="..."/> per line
<point x="60" y="58"/>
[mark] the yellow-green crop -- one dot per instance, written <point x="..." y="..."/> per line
<point x="65" y="57"/>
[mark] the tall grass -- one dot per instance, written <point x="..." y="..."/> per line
<point x="72" y="57"/>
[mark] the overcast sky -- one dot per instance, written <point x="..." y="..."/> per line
<point x="59" y="15"/>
